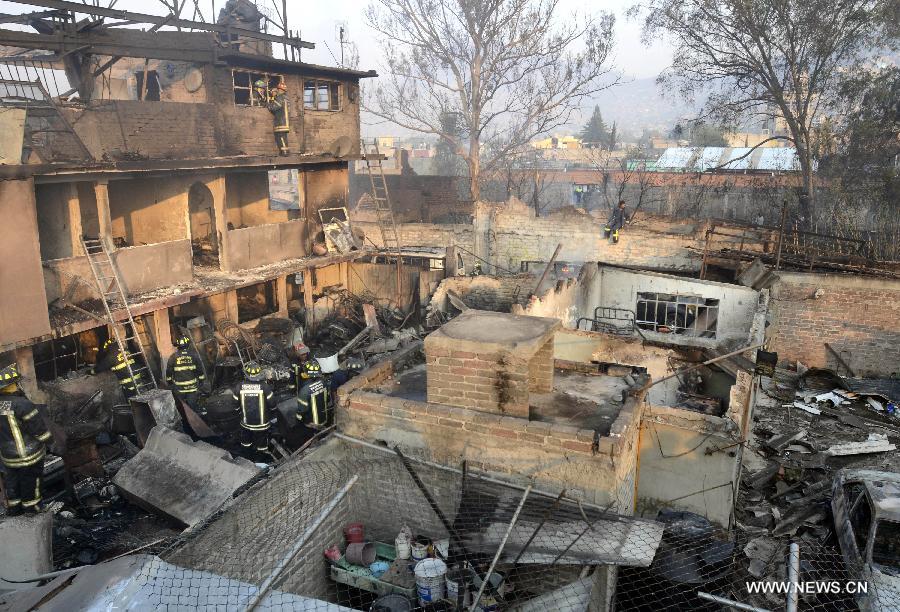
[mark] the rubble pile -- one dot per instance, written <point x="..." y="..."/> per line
<point x="808" y="426"/>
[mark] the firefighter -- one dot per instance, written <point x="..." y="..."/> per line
<point x="352" y="367"/>
<point x="184" y="374"/>
<point x="615" y="223"/>
<point x="278" y="106"/>
<point x="254" y="402"/>
<point x="23" y="440"/>
<point x="118" y="362"/>
<point x="312" y="395"/>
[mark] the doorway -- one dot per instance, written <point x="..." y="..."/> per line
<point x="204" y="241"/>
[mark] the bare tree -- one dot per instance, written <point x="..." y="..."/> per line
<point x="625" y="179"/>
<point x="509" y="69"/>
<point x="779" y="59"/>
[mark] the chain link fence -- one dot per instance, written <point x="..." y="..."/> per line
<point x="283" y="545"/>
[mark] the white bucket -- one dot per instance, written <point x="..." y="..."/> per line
<point x="430" y="580"/>
<point x="329" y="364"/>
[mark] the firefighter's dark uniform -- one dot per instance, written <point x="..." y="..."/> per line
<point x="278" y="106"/>
<point x="615" y="223"/>
<point x="312" y="394"/>
<point x="23" y="439"/>
<point x="184" y="376"/>
<point x="254" y="399"/>
<point x="116" y="361"/>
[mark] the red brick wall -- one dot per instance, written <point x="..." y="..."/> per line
<point x="857" y="316"/>
<point x="488" y="381"/>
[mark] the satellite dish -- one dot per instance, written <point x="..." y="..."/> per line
<point x="193" y="80"/>
<point x="341" y="147"/>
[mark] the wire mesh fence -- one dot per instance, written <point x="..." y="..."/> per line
<point x="368" y="530"/>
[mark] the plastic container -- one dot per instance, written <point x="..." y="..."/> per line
<point x="419" y="548"/>
<point x="392" y="602"/>
<point x="354" y="533"/>
<point x="402" y="544"/>
<point x="378" y="568"/>
<point x="360" y="553"/>
<point x="430" y="580"/>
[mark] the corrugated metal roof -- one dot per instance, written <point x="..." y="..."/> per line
<point x="701" y="159"/>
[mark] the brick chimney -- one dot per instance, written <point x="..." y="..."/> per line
<point x="490" y="361"/>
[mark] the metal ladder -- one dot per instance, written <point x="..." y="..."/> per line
<point x="109" y="286"/>
<point x="384" y="212"/>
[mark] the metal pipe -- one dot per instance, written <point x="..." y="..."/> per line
<point x="729" y="602"/>
<point x="490" y="572"/>
<point x="793" y="595"/>
<point x="298" y="544"/>
<point x="707" y="362"/>
<point x="546" y="516"/>
<point x="547" y="269"/>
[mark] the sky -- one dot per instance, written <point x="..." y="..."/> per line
<point x="319" y="22"/>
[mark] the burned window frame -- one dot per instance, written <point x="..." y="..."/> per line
<point x="272" y="81"/>
<point x="56" y="358"/>
<point x="335" y="99"/>
<point x="676" y="319"/>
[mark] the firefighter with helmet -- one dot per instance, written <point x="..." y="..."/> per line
<point x="184" y="374"/>
<point x="23" y="444"/>
<point x="254" y="401"/>
<point x="119" y="363"/>
<point x="312" y="395"/>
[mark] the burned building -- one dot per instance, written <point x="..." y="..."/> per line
<point x="155" y="149"/>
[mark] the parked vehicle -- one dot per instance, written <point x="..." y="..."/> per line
<point x="866" y="506"/>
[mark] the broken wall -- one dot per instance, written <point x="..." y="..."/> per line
<point x="23" y="314"/>
<point x="495" y="293"/>
<point x="855" y="315"/>
<point x="58" y="220"/>
<point x="619" y="288"/>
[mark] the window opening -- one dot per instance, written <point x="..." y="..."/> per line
<point x="153" y="86"/>
<point x="321" y="95"/>
<point x="244" y="86"/>
<point x="688" y="315"/>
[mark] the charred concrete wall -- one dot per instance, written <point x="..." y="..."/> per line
<point x="141" y="268"/>
<point x="496" y="293"/>
<point x="855" y="315"/>
<point x="210" y="125"/>
<point x="737" y="305"/>
<point x="23" y="313"/>
<point x="147" y="211"/>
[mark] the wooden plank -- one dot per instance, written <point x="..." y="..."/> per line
<point x="101" y="11"/>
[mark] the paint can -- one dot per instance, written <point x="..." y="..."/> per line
<point x="488" y="602"/>
<point x="420" y="548"/>
<point x="360" y="553"/>
<point x="430" y="580"/>
<point x="354" y="533"/>
<point x="459" y="579"/>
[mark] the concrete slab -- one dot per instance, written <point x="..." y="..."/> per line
<point x="155" y="407"/>
<point x="485" y="331"/>
<point x="180" y="478"/>
<point x="25" y="549"/>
